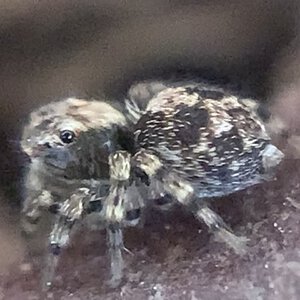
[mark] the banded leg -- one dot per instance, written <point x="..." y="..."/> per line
<point x="68" y="213"/>
<point x="114" y="210"/>
<point x="122" y="208"/>
<point x="216" y="224"/>
<point x="115" y="244"/>
<point x="183" y="192"/>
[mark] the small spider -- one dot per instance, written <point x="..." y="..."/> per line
<point x="68" y="143"/>
<point x="189" y="143"/>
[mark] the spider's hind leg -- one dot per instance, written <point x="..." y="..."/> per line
<point x="216" y="224"/>
<point x="183" y="192"/>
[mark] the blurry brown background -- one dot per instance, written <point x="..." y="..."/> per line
<point x="51" y="50"/>
<point x="54" y="49"/>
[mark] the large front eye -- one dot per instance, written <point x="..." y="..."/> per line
<point x="67" y="136"/>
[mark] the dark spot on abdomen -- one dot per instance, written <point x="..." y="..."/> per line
<point x="230" y="143"/>
<point x="187" y="122"/>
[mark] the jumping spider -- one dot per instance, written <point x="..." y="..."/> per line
<point x="189" y="143"/>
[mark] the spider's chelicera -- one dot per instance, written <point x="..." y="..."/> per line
<point x="189" y="143"/>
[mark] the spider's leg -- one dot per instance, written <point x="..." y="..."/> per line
<point x="67" y="215"/>
<point x="114" y="215"/>
<point x="115" y="244"/>
<point x="116" y="211"/>
<point x="183" y="192"/>
<point x="220" y="228"/>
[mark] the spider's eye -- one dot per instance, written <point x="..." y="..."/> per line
<point x="133" y="214"/>
<point x="67" y="136"/>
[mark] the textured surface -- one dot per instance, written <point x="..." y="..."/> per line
<point x="208" y="137"/>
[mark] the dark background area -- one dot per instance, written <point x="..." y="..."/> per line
<point x="50" y="50"/>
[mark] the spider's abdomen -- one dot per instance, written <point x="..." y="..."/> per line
<point x="208" y="137"/>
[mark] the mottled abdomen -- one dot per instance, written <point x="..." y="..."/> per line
<point x="208" y="137"/>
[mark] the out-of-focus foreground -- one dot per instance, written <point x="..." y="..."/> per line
<point x="96" y="48"/>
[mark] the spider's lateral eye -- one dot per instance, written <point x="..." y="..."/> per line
<point x="133" y="214"/>
<point x="67" y="136"/>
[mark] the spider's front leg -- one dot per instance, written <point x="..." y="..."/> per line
<point x="183" y="192"/>
<point x="122" y="207"/>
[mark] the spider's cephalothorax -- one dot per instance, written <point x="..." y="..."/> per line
<point x="191" y="142"/>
